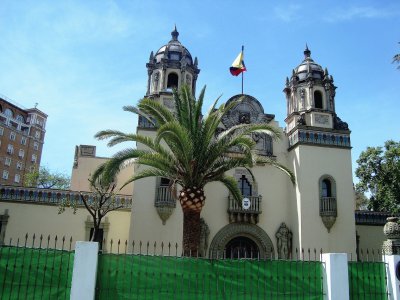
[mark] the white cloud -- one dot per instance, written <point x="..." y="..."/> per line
<point x="360" y="12"/>
<point x="287" y="13"/>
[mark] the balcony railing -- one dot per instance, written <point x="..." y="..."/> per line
<point x="327" y="206"/>
<point x="164" y="202"/>
<point x="164" y="197"/>
<point x="53" y="196"/>
<point x="238" y="214"/>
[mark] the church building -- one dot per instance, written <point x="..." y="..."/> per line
<point x="276" y="217"/>
<point x="316" y="213"/>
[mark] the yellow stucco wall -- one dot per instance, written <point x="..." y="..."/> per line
<point x="41" y="219"/>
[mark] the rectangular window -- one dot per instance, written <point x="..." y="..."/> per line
<point x="21" y="153"/>
<point x="33" y="160"/>
<point x="12" y="135"/>
<point x="23" y="140"/>
<point x="7" y="161"/>
<point x="36" y="146"/>
<point x="19" y="165"/>
<point x="17" y="178"/>
<point x="37" y="134"/>
<point x="1" y="130"/>
<point x="10" y="149"/>
<point x="5" y="174"/>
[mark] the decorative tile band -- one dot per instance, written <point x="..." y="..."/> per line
<point x="319" y="138"/>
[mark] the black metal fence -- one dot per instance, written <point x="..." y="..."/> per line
<point x="36" y="267"/>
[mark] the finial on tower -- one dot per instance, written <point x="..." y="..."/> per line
<point x="175" y="34"/>
<point x="307" y="52"/>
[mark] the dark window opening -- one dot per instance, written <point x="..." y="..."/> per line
<point x="164" y="181"/>
<point x="241" y="247"/>
<point x="245" y="186"/>
<point x="172" y="81"/>
<point x="318" y="99"/>
<point x="326" y="188"/>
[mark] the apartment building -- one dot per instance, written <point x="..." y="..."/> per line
<point x="22" y="134"/>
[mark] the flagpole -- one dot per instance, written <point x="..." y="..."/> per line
<point x="242" y="72"/>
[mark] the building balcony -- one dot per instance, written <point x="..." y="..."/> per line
<point x="328" y="211"/>
<point x="53" y="196"/>
<point x="237" y="214"/>
<point x="328" y="206"/>
<point x="165" y="202"/>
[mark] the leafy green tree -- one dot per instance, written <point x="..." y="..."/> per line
<point x="379" y="174"/>
<point x="44" y="178"/>
<point x="190" y="150"/>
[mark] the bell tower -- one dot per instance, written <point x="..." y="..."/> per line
<point x="170" y="67"/>
<point x="320" y="154"/>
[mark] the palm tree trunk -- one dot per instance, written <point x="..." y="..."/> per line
<point x="191" y="232"/>
<point x="192" y="201"/>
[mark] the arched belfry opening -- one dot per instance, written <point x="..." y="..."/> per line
<point x="318" y="100"/>
<point x="172" y="82"/>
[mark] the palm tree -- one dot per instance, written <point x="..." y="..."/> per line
<point x="191" y="151"/>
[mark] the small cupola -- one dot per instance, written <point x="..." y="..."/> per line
<point x="171" y="66"/>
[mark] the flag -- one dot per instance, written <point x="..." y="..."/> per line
<point x="238" y="65"/>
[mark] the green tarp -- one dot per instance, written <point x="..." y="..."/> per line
<point x="367" y="280"/>
<point x="27" y="273"/>
<point x="157" y="277"/>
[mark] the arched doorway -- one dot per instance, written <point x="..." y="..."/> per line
<point x="241" y="247"/>
<point x="240" y="240"/>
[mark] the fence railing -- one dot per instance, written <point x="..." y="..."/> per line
<point x="36" y="268"/>
<point x="54" y="196"/>
<point x="158" y="271"/>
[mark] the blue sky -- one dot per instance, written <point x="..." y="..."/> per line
<point x="81" y="61"/>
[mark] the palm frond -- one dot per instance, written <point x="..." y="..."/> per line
<point x="231" y="184"/>
<point x="144" y="174"/>
<point x="160" y="113"/>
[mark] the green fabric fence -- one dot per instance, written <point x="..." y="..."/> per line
<point x="34" y="273"/>
<point x="163" y="277"/>
<point x="367" y="280"/>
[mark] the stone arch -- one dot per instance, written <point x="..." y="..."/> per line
<point x="251" y="231"/>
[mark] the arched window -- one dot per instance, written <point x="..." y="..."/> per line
<point x="318" y="99"/>
<point x="8" y="112"/>
<point x="20" y="118"/>
<point x="172" y="81"/>
<point x="326" y="188"/>
<point x="164" y="181"/>
<point x="327" y="201"/>
<point x="245" y="186"/>
<point x="241" y="247"/>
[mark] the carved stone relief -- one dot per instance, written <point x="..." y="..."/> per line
<point x="321" y="119"/>
<point x="284" y="242"/>
<point x="204" y="234"/>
